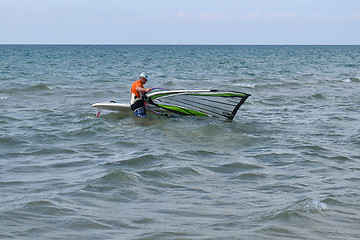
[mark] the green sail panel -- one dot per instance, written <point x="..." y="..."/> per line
<point x="212" y="103"/>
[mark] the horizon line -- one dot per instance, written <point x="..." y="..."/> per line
<point x="176" y="44"/>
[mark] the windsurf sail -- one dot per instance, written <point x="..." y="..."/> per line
<point x="211" y="103"/>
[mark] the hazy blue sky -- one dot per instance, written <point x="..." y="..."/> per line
<point x="180" y="21"/>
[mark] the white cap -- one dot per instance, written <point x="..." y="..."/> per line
<point x="144" y="75"/>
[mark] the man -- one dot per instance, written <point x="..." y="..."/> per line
<point x="137" y="90"/>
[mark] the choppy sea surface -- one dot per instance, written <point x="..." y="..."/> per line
<point x="287" y="166"/>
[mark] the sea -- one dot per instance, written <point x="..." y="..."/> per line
<point x="286" y="167"/>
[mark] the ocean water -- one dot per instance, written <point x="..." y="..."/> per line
<point x="287" y="166"/>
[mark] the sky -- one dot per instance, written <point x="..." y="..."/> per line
<point x="239" y="22"/>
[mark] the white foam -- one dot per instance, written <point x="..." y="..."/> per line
<point x="247" y="85"/>
<point x="314" y="205"/>
<point x="4" y="98"/>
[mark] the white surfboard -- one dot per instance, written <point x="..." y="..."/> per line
<point x="119" y="107"/>
<point x="112" y="106"/>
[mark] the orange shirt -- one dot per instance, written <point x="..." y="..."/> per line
<point x="134" y="86"/>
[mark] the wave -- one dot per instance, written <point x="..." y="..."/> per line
<point x="233" y="167"/>
<point x="119" y="177"/>
<point x="251" y="176"/>
<point x="38" y="209"/>
<point x="11" y="141"/>
<point x="298" y="209"/>
<point x="28" y="89"/>
<point x="136" y="162"/>
<point x="38" y="87"/>
<point x="118" y="180"/>
<point x="43" y="207"/>
<point x="199" y="153"/>
<point x="318" y="96"/>
<point x="352" y="80"/>
<point x="169" y="173"/>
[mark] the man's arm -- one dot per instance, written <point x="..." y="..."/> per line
<point x="140" y="89"/>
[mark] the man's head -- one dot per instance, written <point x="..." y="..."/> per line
<point x="143" y="77"/>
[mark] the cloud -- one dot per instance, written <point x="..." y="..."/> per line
<point x="354" y="17"/>
<point x="184" y="15"/>
<point x="287" y="15"/>
<point x="213" y="16"/>
<point x="326" y="17"/>
<point x="321" y="16"/>
<point x="222" y="17"/>
<point x="251" y="15"/>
